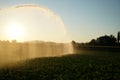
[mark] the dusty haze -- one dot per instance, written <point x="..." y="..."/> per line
<point x="12" y="52"/>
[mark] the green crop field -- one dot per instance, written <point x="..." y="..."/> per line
<point x="94" y="65"/>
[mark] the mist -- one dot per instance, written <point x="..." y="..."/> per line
<point x="11" y="52"/>
<point x="35" y="22"/>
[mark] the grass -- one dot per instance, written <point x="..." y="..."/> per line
<point x="91" y="66"/>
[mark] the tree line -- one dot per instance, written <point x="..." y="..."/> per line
<point x="106" y="40"/>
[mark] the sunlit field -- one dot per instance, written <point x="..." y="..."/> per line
<point x="85" y="66"/>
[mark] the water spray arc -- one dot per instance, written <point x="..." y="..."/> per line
<point x="28" y="50"/>
<point x="46" y="12"/>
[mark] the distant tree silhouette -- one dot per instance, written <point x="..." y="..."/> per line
<point x="118" y="37"/>
<point x="73" y="42"/>
<point x="104" y="41"/>
<point x="92" y="42"/>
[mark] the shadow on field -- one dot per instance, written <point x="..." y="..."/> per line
<point x="70" y="67"/>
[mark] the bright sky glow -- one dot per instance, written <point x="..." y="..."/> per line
<point x="40" y="23"/>
<point x="14" y="31"/>
<point x="83" y="20"/>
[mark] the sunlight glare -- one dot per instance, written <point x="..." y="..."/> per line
<point x="14" y="31"/>
<point x="32" y="22"/>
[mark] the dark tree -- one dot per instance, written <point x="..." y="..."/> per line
<point x="118" y="37"/>
<point x="92" y="42"/>
<point x="73" y="42"/>
<point x="106" y="40"/>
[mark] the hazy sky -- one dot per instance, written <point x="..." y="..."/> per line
<point x="83" y="19"/>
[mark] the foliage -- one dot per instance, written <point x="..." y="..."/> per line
<point x="104" y="41"/>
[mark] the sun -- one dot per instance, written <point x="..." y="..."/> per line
<point x="14" y="31"/>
